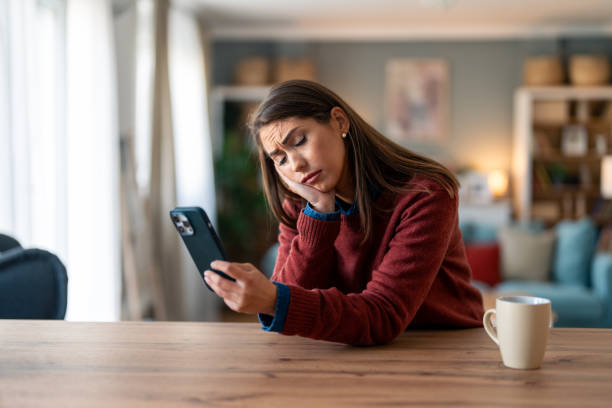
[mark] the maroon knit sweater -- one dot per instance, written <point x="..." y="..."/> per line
<point x="411" y="273"/>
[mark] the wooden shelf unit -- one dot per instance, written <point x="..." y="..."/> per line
<point x="231" y="93"/>
<point x="548" y="184"/>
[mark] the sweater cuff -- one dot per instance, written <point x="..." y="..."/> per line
<point x="328" y="216"/>
<point x="314" y="232"/>
<point x="303" y="311"/>
<point x="276" y="323"/>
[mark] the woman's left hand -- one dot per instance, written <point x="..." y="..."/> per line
<point x="251" y="293"/>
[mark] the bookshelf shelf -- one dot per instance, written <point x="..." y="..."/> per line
<point x="593" y="125"/>
<point x="552" y="181"/>
<point x="556" y="193"/>
<point x="558" y="157"/>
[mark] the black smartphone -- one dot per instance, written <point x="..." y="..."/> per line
<point x="199" y="237"/>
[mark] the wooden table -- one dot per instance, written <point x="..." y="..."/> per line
<point x="64" y="364"/>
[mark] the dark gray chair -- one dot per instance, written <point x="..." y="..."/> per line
<point x="33" y="283"/>
<point x="7" y="243"/>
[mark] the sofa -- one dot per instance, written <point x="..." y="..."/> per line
<point x="564" y="264"/>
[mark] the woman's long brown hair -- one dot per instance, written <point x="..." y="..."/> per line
<point x="373" y="159"/>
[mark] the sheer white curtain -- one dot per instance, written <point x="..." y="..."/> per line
<point x="59" y="143"/>
<point x="164" y="121"/>
<point x="192" y="144"/>
<point x="92" y="163"/>
<point x="190" y="123"/>
<point x="30" y="47"/>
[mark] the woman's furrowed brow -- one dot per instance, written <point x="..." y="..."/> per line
<point x="276" y="151"/>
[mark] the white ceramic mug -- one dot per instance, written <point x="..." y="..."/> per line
<point x="522" y="329"/>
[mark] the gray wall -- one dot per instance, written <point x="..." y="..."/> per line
<point x="483" y="75"/>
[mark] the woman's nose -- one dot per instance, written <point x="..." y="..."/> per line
<point x="297" y="163"/>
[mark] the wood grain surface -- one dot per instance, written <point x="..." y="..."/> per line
<point x="144" y="364"/>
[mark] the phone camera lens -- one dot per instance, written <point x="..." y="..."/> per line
<point x="186" y="224"/>
<point x="181" y="230"/>
<point x="175" y="219"/>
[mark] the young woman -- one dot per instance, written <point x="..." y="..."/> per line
<point x="369" y="238"/>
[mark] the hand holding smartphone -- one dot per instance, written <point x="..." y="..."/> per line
<point x="199" y="237"/>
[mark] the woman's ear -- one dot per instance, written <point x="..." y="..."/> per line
<point x="339" y="119"/>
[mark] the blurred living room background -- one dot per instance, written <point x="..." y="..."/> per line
<point x="114" y="112"/>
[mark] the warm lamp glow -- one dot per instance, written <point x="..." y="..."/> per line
<point x="606" y="177"/>
<point x="498" y="183"/>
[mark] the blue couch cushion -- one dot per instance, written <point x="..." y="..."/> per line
<point x="479" y="233"/>
<point x="466" y="230"/>
<point x="476" y="233"/>
<point x="575" y="306"/>
<point x="574" y="252"/>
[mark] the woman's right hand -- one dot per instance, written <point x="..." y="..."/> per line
<point x="319" y="201"/>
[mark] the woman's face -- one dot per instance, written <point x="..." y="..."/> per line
<point x="308" y="152"/>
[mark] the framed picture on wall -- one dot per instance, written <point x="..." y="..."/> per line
<point x="416" y="99"/>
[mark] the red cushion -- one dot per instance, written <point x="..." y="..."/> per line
<point x="484" y="261"/>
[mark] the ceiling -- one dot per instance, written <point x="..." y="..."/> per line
<point x="401" y="19"/>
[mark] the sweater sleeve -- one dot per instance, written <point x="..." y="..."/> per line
<point x="398" y="287"/>
<point x="306" y="255"/>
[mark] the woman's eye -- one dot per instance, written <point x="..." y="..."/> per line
<point x="301" y="141"/>
<point x="282" y="161"/>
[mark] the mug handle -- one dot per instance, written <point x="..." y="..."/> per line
<point x="486" y="321"/>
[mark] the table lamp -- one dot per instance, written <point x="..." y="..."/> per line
<point x="606" y="177"/>
<point x="605" y="241"/>
<point x="498" y="183"/>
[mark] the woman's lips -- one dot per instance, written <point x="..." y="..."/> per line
<point x="309" y="178"/>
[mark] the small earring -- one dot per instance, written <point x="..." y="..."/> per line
<point x="344" y="135"/>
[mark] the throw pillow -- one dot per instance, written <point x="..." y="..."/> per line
<point x="574" y="252"/>
<point x="484" y="262"/>
<point x="526" y="255"/>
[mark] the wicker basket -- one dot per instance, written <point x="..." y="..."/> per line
<point x="252" y="71"/>
<point x="287" y="69"/>
<point x="589" y="70"/>
<point x="543" y="71"/>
